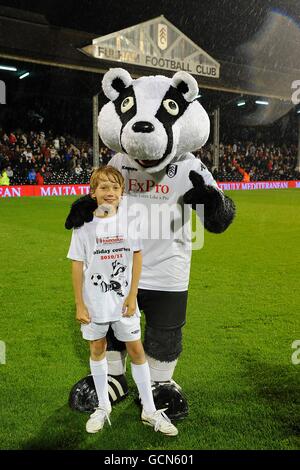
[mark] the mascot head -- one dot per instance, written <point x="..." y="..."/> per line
<point x="152" y="119"/>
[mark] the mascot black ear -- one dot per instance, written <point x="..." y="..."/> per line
<point x="186" y="84"/>
<point x="115" y="81"/>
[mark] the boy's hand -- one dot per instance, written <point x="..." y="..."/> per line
<point x="129" y="306"/>
<point x="82" y="315"/>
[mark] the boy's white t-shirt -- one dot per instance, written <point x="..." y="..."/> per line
<point x="106" y="246"/>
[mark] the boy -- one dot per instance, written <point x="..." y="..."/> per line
<point x="106" y="267"/>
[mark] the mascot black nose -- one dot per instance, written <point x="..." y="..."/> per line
<point x="143" y="126"/>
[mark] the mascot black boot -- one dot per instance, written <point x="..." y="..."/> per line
<point x="154" y="123"/>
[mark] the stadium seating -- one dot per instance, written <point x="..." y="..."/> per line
<point x="56" y="159"/>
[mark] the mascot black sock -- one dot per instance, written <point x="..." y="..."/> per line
<point x="162" y="347"/>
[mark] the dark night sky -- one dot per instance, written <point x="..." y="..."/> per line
<point x="218" y="26"/>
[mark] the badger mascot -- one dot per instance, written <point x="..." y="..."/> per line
<point x="154" y="123"/>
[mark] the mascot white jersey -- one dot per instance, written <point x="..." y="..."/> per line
<point x="154" y="123"/>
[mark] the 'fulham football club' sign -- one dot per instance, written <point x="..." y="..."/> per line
<point x="156" y="44"/>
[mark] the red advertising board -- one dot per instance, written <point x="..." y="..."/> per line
<point x="240" y="185"/>
<point x="46" y="190"/>
<point x="82" y="189"/>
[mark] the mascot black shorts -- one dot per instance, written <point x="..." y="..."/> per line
<point x="163" y="310"/>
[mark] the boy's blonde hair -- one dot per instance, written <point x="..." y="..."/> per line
<point x="111" y="173"/>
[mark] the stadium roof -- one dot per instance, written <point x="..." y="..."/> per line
<point x="30" y="37"/>
<point x="260" y="61"/>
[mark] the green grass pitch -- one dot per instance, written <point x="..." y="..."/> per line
<point x="236" y="367"/>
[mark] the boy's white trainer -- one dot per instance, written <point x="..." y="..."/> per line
<point x="97" y="419"/>
<point x="160" y="422"/>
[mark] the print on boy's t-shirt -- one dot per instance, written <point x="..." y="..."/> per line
<point x="106" y="250"/>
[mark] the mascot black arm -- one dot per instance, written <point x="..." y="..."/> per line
<point x="219" y="210"/>
<point x="82" y="210"/>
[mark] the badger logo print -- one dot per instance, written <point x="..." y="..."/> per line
<point x="117" y="279"/>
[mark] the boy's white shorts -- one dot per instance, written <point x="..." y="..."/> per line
<point x="125" y="329"/>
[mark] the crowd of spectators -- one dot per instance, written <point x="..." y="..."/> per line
<point x="39" y="158"/>
<point x="252" y="162"/>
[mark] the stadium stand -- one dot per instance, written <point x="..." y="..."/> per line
<point x="36" y="158"/>
<point x="252" y="162"/>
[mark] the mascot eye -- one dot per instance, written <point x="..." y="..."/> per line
<point x="126" y="104"/>
<point x="171" y="106"/>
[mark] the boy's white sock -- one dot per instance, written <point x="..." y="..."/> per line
<point x="141" y="376"/>
<point x="99" y="373"/>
